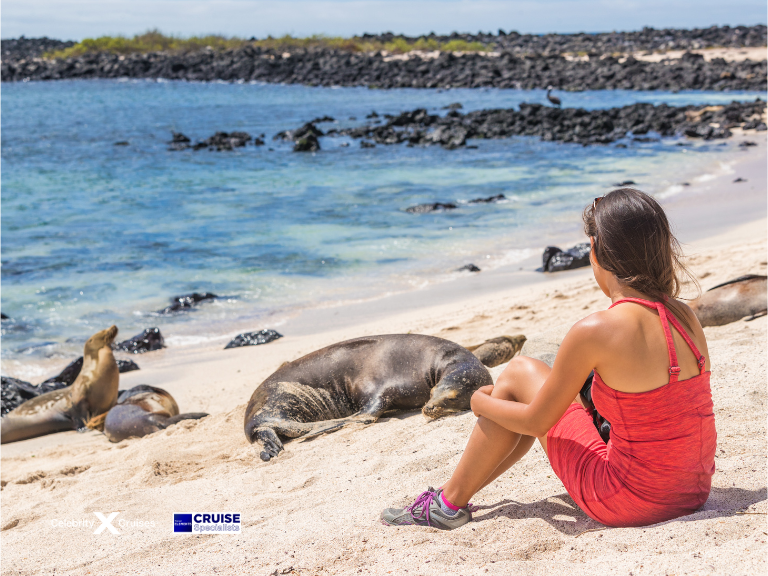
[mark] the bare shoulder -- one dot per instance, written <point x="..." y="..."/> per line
<point x="595" y="327"/>
<point x="689" y="318"/>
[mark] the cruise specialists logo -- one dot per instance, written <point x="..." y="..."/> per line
<point x="206" y="523"/>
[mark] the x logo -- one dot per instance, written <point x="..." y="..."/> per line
<point x="106" y="523"/>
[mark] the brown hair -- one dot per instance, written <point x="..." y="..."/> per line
<point x="633" y="241"/>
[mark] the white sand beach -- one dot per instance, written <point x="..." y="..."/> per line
<point x="314" y="509"/>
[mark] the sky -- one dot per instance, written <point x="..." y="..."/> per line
<point x="78" y="19"/>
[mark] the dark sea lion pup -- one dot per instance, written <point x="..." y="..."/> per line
<point x="140" y="411"/>
<point x="732" y="301"/>
<point x="356" y="382"/>
<point x="93" y="392"/>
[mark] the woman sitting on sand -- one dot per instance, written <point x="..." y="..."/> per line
<point x="660" y="459"/>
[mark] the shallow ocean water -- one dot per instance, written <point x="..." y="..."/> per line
<point x="95" y="234"/>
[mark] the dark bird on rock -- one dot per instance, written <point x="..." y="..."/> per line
<point x="554" y="99"/>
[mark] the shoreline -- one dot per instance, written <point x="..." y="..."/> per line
<point x="710" y="208"/>
<point x="697" y="211"/>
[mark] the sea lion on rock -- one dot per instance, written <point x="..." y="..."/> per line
<point x="94" y="392"/>
<point x="357" y="381"/>
<point x="732" y="300"/>
<point x="140" y="411"/>
<point x="498" y="350"/>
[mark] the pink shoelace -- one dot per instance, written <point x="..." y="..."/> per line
<point x="420" y="508"/>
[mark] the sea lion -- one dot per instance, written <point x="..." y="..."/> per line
<point x="732" y="300"/>
<point x="141" y="410"/>
<point x="356" y="382"/>
<point x="93" y="392"/>
<point x="498" y="350"/>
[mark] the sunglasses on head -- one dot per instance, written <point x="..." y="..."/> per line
<point x="596" y="202"/>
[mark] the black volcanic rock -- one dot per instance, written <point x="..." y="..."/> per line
<point x="225" y="141"/>
<point x="434" y="207"/>
<point x="14" y="392"/>
<point x="575" y="125"/>
<point x="555" y="260"/>
<point x="253" y="338"/>
<point x="468" y="268"/>
<point x="308" y="143"/>
<point x="519" y="61"/>
<point x="68" y="375"/>
<point x="488" y="200"/>
<point x="149" y="340"/>
<point x="126" y="366"/>
<point x="309" y="129"/>
<point x="186" y="302"/>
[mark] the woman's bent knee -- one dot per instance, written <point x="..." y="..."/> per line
<point x="521" y="379"/>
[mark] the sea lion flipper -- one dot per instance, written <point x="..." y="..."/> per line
<point x="186" y="416"/>
<point x="756" y="315"/>
<point x="271" y="444"/>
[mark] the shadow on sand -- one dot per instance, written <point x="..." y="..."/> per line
<point x="562" y="513"/>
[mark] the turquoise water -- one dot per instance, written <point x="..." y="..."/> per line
<point x="95" y="234"/>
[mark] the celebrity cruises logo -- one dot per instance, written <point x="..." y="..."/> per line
<point x="206" y="523"/>
<point x="107" y="523"/>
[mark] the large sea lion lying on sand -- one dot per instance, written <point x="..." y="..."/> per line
<point x="732" y="300"/>
<point x="357" y="381"/>
<point x="141" y="410"/>
<point x="93" y="392"/>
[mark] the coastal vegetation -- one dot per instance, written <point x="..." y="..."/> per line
<point x="155" y="41"/>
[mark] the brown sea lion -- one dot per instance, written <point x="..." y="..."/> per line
<point x="93" y="392"/>
<point x="141" y="410"/>
<point x="732" y="300"/>
<point x="498" y="350"/>
<point x="356" y="382"/>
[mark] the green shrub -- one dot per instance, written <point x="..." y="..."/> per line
<point x="155" y="41"/>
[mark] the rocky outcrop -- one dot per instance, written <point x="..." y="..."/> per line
<point x="18" y="48"/>
<point x="219" y="141"/>
<point x="647" y="39"/>
<point x="433" y="207"/>
<point x="509" y="68"/>
<point x="637" y="121"/>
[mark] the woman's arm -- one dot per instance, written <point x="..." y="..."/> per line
<point x="577" y="356"/>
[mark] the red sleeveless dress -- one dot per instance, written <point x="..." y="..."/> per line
<point x="659" y="462"/>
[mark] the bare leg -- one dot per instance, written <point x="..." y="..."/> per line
<point x="492" y="449"/>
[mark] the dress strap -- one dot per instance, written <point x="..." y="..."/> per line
<point x="699" y="357"/>
<point x="674" y="368"/>
<point x="666" y="320"/>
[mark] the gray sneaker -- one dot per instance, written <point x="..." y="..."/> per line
<point x="426" y="511"/>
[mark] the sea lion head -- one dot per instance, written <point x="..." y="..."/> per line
<point x="454" y="391"/>
<point x="100" y="340"/>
